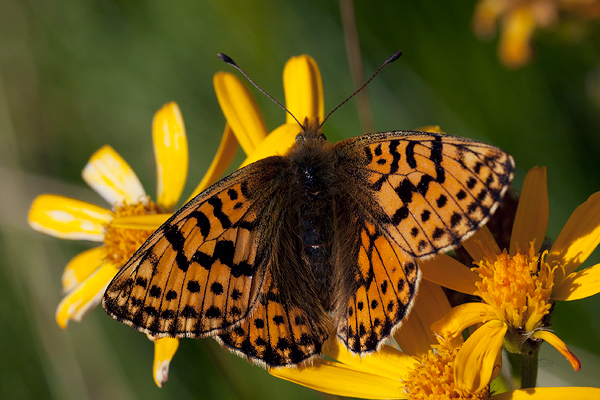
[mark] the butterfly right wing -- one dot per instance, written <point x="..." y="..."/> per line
<point x="201" y="271"/>
<point x="413" y="195"/>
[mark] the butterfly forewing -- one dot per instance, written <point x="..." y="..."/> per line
<point x="429" y="191"/>
<point x="200" y="272"/>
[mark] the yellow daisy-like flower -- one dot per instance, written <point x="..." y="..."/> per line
<point x="86" y="276"/>
<point x="519" y="287"/>
<point x="519" y="20"/>
<point x="424" y="369"/>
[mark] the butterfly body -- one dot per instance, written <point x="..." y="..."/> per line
<point x="313" y="190"/>
<point x="322" y="239"/>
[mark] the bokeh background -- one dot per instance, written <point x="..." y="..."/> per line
<point x="75" y="75"/>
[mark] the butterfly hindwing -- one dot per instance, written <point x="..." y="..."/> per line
<point x="202" y="271"/>
<point x="277" y="333"/>
<point x="387" y="280"/>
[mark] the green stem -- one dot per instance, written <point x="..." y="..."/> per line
<point x="529" y="369"/>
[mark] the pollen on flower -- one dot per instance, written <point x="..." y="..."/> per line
<point x="518" y="286"/>
<point x="433" y="377"/>
<point x="121" y="243"/>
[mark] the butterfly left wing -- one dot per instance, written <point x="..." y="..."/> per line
<point x="202" y="270"/>
<point x="209" y="271"/>
<point x="414" y="195"/>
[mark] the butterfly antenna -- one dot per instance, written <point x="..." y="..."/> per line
<point x="390" y="60"/>
<point x="226" y="59"/>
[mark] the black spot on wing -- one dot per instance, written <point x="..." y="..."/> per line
<point x="395" y="156"/>
<point x="202" y="222"/>
<point x="405" y="191"/>
<point x="217" y="205"/>
<point x="233" y="194"/>
<point x="410" y="155"/>
<point x="436" y="157"/>
<point x="176" y="239"/>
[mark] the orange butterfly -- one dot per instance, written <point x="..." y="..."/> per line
<point x="273" y="257"/>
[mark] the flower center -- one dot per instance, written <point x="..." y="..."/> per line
<point x="433" y="378"/>
<point x="121" y="243"/>
<point x="518" y="287"/>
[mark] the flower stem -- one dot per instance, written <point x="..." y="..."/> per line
<point x="529" y="369"/>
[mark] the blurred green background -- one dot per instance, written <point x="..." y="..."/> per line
<point x="77" y="75"/>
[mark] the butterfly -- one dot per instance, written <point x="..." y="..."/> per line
<point x="325" y="238"/>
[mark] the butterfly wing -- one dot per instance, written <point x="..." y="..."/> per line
<point x="202" y="270"/>
<point x="414" y="195"/>
<point x="376" y="292"/>
<point x="209" y="271"/>
<point x="278" y="333"/>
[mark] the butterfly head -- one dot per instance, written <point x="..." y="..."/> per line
<point x="311" y="131"/>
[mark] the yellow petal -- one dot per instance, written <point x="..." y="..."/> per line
<point x="303" y="89"/>
<point x="110" y="175"/>
<point x="430" y="128"/>
<point x="477" y="358"/>
<point x="240" y="110"/>
<point x="415" y="336"/>
<point x="170" y="153"/>
<point x="550" y="393"/>
<point x="277" y="143"/>
<point x="342" y="380"/>
<point x="82" y="266"/>
<point x="560" y="346"/>
<point x="481" y="245"/>
<point x="387" y="361"/>
<point x="164" y="350"/>
<point x="578" y="238"/>
<point x="85" y="296"/>
<point x="461" y="317"/>
<point x="531" y="220"/>
<point x="68" y="218"/>
<point x="578" y="285"/>
<point x="514" y="48"/>
<point x="446" y="271"/>
<point x="149" y="222"/>
<point x="220" y="163"/>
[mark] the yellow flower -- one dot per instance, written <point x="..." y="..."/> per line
<point x="519" y="287"/>
<point x="424" y="369"/>
<point x="87" y="275"/>
<point x="519" y="19"/>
